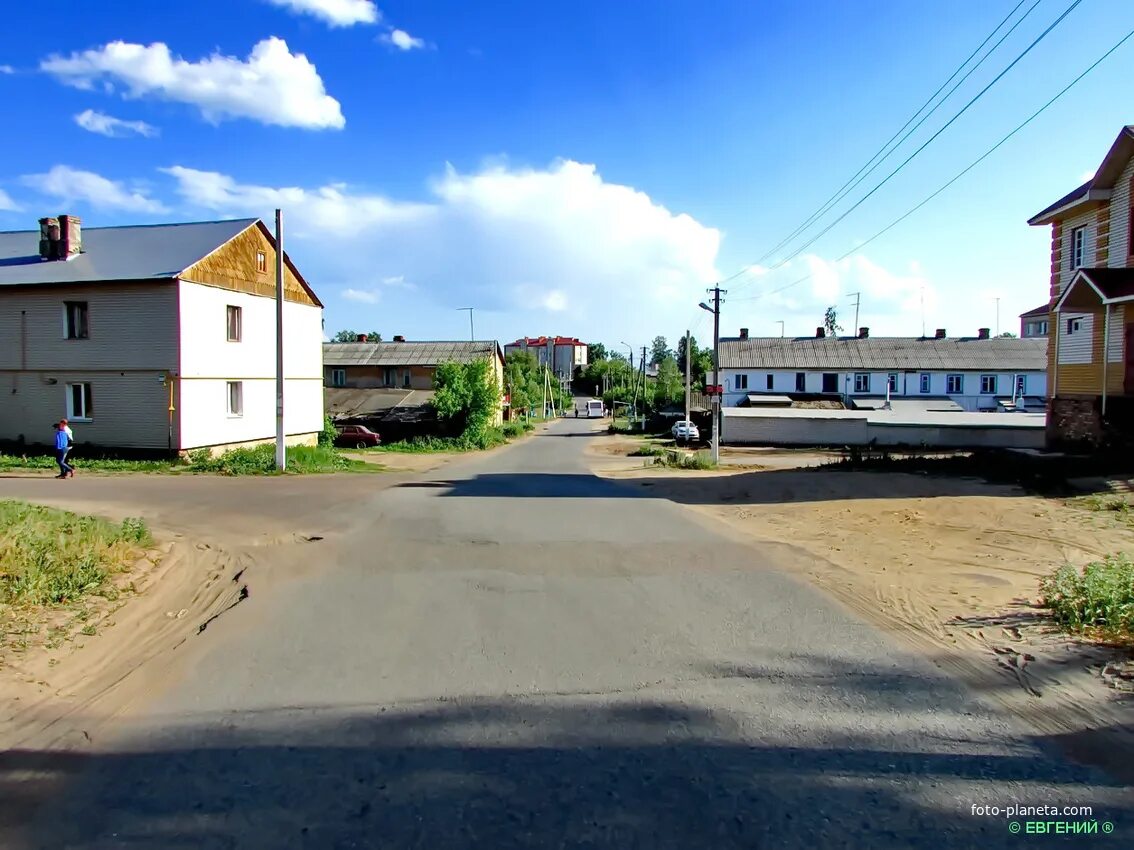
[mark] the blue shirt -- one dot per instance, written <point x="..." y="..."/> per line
<point x="60" y="439"/>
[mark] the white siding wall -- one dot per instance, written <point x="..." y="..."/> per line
<point x="908" y="385"/>
<point x="209" y="361"/>
<point x="1117" y="351"/>
<point x="1120" y="219"/>
<point x="1087" y="220"/>
<point x="1076" y="347"/>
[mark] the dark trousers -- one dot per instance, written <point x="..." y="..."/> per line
<point x="61" y="459"/>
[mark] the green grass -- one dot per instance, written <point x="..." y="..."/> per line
<point x="97" y="464"/>
<point x="261" y="460"/>
<point x="52" y="559"/>
<point x="489" y="438"/>
<point x="679" y="460"/>
<point x="1122" y="509"/>
<point x="1097" y="601"/>
<point x="649" y="450"/>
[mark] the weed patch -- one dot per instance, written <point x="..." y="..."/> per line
<point x="1097" y="601"/>
<point x="261" y="460"/>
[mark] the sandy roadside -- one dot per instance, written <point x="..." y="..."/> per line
<point x="949" y="565"/>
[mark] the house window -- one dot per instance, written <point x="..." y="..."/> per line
<point x="75" y="320"/>
<point x="1021" y="385"/>
<point x="1078" y="247"/>
<point x="233" y="323"/>
<point x="391" y="377"/>
<point x="954" y="384"/>
<point x="988" y="385"/>
<point x="862" y="382"/>
<point x="769" y="382"/>
<point x="79" y="401"/>
<point x="892" y="382"/>
<point x="924" y="385"/>
<point x="800" y="382"/>
<point x="741" y="382"/>
<point x="235" y="398"/>
<point x="1074" y="326"/>
<point x="261" y="262"/>
<point x="406" y="379"/>
<point x="338" y="377"/>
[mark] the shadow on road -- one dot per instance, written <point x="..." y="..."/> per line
<point x="518" y="773"/>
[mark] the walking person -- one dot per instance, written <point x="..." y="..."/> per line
<point x="61" y="447"/>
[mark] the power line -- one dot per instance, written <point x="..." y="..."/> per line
<point x="930" y="140"/>
<point x="959" y="174"/>
<point x="882" y="153"/>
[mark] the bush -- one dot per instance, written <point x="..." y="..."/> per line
<point x="679" y="460"/>
<point x="261" y="460"/>
<point x="649" y="450"/>
<point x="329" y="433"/>
<point x="1098" y="599"/>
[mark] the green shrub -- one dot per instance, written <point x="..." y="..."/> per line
<point x="261" y="460"/>
<point x="1099" y="598"/>
<point x="329" y="433"/>
<point x="679" y="460"/>
<point x="649" y="450"/>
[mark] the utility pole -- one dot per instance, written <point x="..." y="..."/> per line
<point x="688" y="359"/>
<point x="997" y="299"/>
<point x="716" y="397"/>
<point x="281" y="451"/>
<point x="780" y="322"/>
<point x="857" y="302"/>
<point x="472" y="333"/>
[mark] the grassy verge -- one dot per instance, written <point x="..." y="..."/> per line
<point x="53" y="560"/>
<point x="258" y="460"/>
<point x="680" y="460"/>
<point x="1097" y="601"/>
<point x="490" y="438"/>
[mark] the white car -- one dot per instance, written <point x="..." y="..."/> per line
<point x="685" y="432"/>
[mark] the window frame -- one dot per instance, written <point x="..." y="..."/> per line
<point x="892" y="382"/>
<point x="86" y="398"/>
<point x="862" y="382"/>
<point x="1074" y="325"/>
<point x="69" y="325"/>
<point x="740" y="382"/>
<point x="228" y="314"/>
<point x="1021" y="385"/>
<point x="239" y="411"/>
<point x="770" y="382"/>
<point x="989" y="384"/>
<point x="335" y="377"/>
<point x="262" y="262"/>
<point x="959" y="378"/>
<point x="406" y="382"/>
<point x="801" y="382"/>
<point x="925" y="383"/>
<point x="1078" y="247"/>
<point x="390" y="376"/>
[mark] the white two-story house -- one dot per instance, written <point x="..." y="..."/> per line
<point x="948" y="373"/>
<point x="157" y="338"/>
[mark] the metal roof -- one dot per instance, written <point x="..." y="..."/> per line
<point x="886" y="354"/>
<point x="136" y="252"/>
<point x="342" y="354"/>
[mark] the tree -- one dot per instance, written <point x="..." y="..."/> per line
<point x="596" y="351"/>
<point x="352" y="336"/>
<point x="466" y="397"/>
<point x="700" y="363"/>
<point x="831" y="322"/>
<point x="1007" y="335"/>
<point x="659" y="350"/>
<point x="670" y="383"/>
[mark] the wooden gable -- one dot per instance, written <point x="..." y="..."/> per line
<point x="235" y="265"/>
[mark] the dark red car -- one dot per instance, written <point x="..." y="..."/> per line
<point x="356" y="437"/>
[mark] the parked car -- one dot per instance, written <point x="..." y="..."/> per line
<point x="357" y="437"/>
<point x="685" y="431"/>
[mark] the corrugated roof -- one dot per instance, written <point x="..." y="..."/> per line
<point x="1041" y="310"/>
<point x="885" y="354"/>
<point x="136" y="252"/>
<point x="342" y="354"/>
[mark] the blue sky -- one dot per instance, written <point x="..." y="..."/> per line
<point x="582" y="168"/>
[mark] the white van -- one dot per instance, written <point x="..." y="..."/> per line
<point x="594" y="409"/>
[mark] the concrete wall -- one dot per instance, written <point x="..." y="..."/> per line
<point x="209" y="362"/>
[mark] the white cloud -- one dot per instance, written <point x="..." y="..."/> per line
<point x="335" y="13"/>
<point x="7" y="69"/>
<point x="72" y="185"/>
<point x="598" y="253"/>
<point x="7" y="204"/>
<point x="402" y="40"/>
<point x="272" y="86"/>
<point x="107" y="125"/>
<point x="366" y="296"/>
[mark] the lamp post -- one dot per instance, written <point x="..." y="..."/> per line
<point x="716" y="398"/>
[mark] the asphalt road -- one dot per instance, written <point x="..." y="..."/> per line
<point x="510" y="652"/>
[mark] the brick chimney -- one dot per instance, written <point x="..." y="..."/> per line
<point x="48" y="238"/>
<point x="863" y="333"/>
<point x="820" y="333"/>
<point x="363" y="337"/>
<point x="399" y="338"/>
<point x="70" y="236"/>
<point x="940" y="334"/>
<point x="744" y="333"/>
<point x="983" y="333"/>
